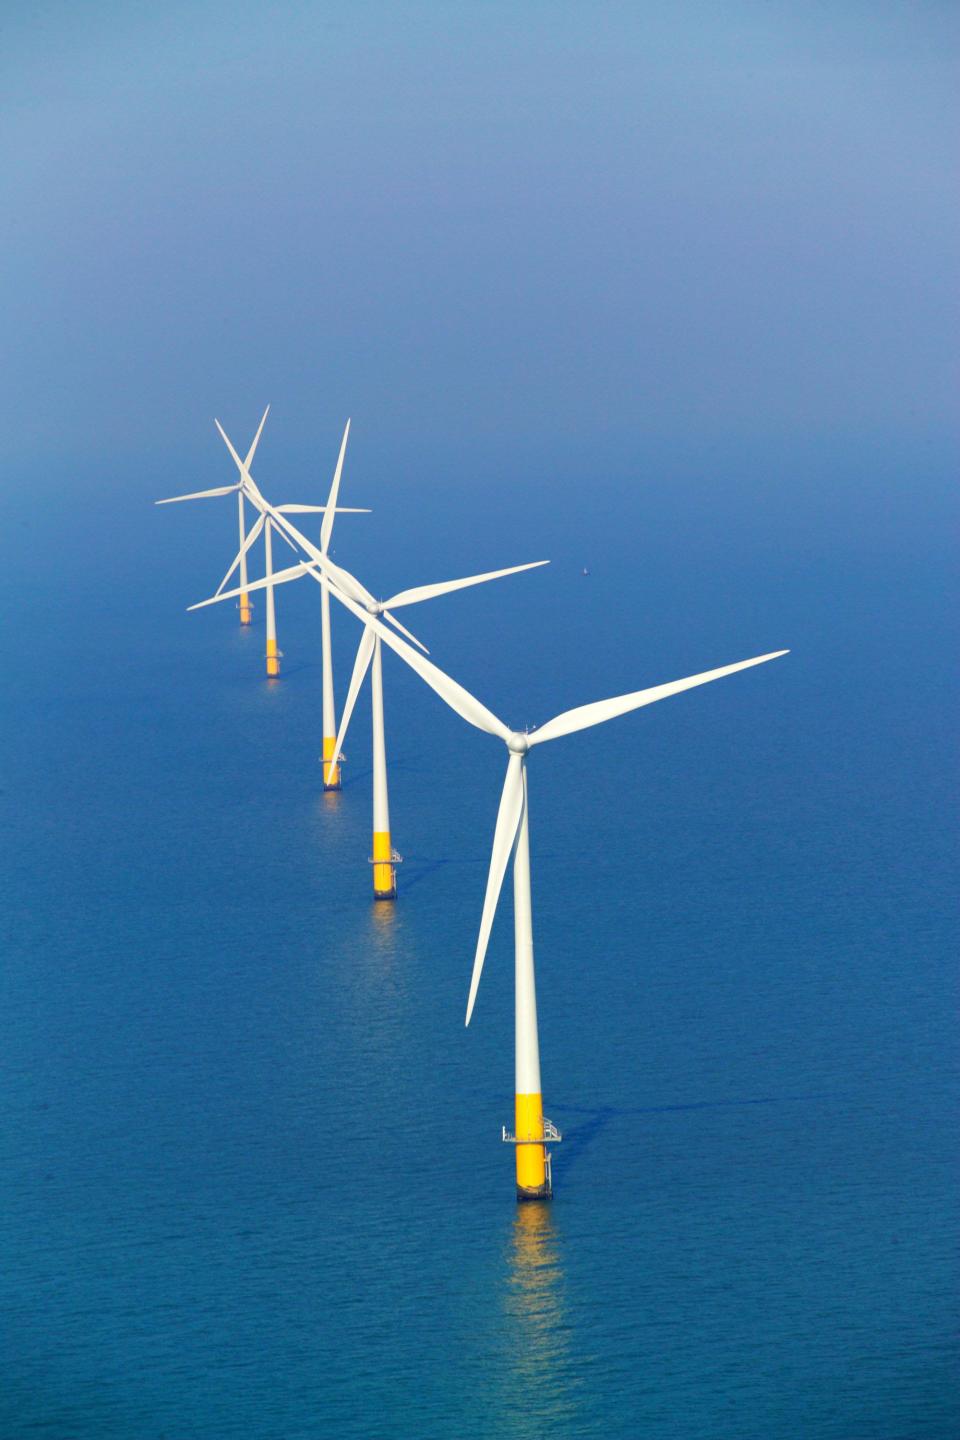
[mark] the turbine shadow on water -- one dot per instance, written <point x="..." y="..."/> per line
<point x="421" y="871"/>
<point x="579" y="1139"/>
<point x="302" y="667"/>
<point x="365" y="774"/>
<point x="421" y="867"/>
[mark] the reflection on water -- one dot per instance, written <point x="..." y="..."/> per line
<point x="533" y="1297"/>
<point x="384" y="913"/>
<point x="541" y="1384"/>
<point x="331" y="800"/>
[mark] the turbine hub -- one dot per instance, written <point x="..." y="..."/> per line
<point x="518" y="744"/>
<point x="374" y="609"/>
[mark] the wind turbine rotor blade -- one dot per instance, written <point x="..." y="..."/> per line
<point x="508" y="823"/>
<point x="229" y="444"/>
<point x="200" y="495"/>
<point x="278" y="530"/>
<point x="340" y="579"/>
<point x="251" y="537"/>
<point x="427" y="592"/>
<point x="326" y="529"/>
<point x="319" y="510"/>
<point x="279" y="578"/>
<point x="360" y="667"/>
<point x="256" y="440"/>
<point x="467" y="706"/>
<point x="249" y="488"/>
<point x="586" y="715"/>
<point x="246" y="479"/>
<point x="349" y="584"/>
<point x="404" y="631"/>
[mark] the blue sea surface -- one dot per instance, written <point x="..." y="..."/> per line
<point x="253" y="1178"/>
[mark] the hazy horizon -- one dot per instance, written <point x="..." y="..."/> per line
<point x="548" y="232"/>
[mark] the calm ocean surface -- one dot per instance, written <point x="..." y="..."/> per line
<point x="253" y="1179"/>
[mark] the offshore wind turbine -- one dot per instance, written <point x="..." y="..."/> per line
<point x="533" y="1134"/>
<point x="265" y="524"/>
<point x="369" y="657"/>
<point x="331" y="773"/>
<point x="246" y="609"/>
<point x="273" y="653"/>
<point x="384" y="858"/>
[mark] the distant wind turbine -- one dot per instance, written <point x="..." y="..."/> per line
<point x="245" y="486"/>
<point x="331" y="777"/>
<point x="333" y="577"/>
<point x="384" y="858"/>
<point x="245" y="607"/>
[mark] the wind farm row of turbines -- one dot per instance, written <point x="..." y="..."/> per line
<point x="533" y="1134"/>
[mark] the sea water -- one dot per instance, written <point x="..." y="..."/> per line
<point x="253" y="1178"/>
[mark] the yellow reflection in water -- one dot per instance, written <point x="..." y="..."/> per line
<point x="538" y="1340"/>
<point x="384" y="914"/>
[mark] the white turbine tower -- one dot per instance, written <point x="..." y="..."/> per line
<point x="533" y="1133"/>
<point x="331" y="771"/>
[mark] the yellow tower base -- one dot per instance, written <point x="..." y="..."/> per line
<point x="246" y="610"/>
<point x="273" y="659"/>
<point x="532" y="1181"/>
<point x="331" y="774"/>
<point x="533" y="1139"/>
<point x="384" y="874"/>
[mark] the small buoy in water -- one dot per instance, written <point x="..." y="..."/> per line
<point x="585" y="570"/>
